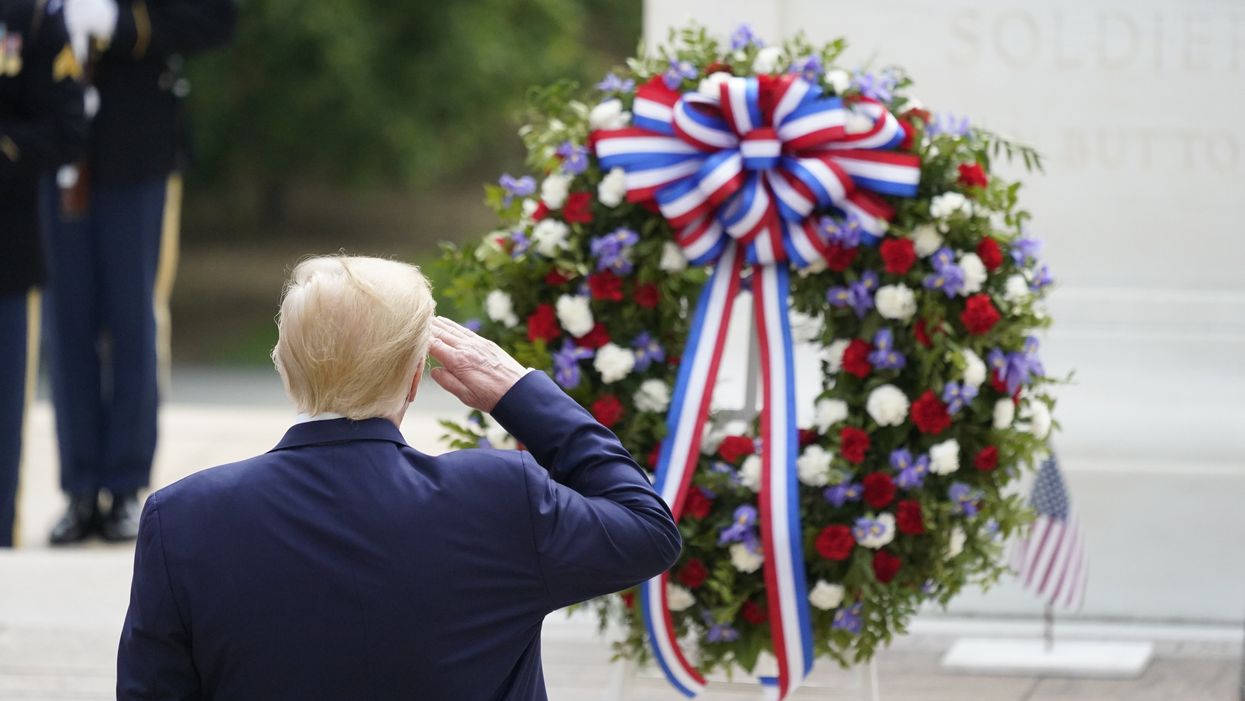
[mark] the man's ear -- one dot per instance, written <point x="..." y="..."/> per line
<point x="419" y="375"/>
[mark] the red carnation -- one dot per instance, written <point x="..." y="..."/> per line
<point x="839" y="258"/>
<point x="990" y="254"/>
<point x="606" y="285"/>
<point x="835" y="542"/>
<point x="879" y="489"/>
<point x="930" y="414"/>
<point x="628" y="599"/>
<point x="898" y="255"/>
<point x="647" y="295"/>
<point x="578" y="208"/>
<point x="556" y="277"/>
<point x="718" y="67"/>
<point x="595" y="338"/>
<point x="922" y="333"/>
<point x="856" y="358"/>
<point x="853" y="443"/>
<point x="987" y="458"/>
<point x="607" y="410"/>
<point x="972" y="175"/>
<point x="543" y="324"/>
<point x="693" y="574"/>
<point x="698" y="503"/>
<point x="885" y="566"/>
<point x="807" y="437"/>
<point x="540" y="212"/>
<point x="979" y="314"/>
<point x="735" y="447"/>
<point x="754" y="613"/>
<point x="908" y="517"/>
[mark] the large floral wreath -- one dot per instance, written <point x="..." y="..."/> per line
<point x="920" y="283"/>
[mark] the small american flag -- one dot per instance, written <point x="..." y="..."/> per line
<point x="1050" y="558"/>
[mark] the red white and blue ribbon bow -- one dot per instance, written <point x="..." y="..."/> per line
<point x="740" y="176"/>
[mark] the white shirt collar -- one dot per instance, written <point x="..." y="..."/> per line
<point x="323" y="416"/>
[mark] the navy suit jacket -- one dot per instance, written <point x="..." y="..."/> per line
<point x="344" y="564"/>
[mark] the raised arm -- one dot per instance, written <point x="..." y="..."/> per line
<point x="597" y="524"/>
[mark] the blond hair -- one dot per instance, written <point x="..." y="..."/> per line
<point x="351" y="333"/>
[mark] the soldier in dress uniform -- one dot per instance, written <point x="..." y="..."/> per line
<point x="112" y="240"/>
<point x="41" y="127"/>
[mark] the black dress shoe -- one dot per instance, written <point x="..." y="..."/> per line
<point x="81" y="520"/>
<point x="121" y="521"/>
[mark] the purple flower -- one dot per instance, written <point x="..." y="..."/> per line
<point x="840" y="494"/>
<point x="566" y="364"/>
<point x="612" y="83"/>
<point x="718" y="632"/>
<point x="848" y="618"/>
<point x="516" y="187"/>
<point x="725" y="469"/>
<point x="742" y="528"/>
<point x="647" y="351"/>
<point x="809" y="68"/>
<point x="574" y="158"/>
<point x="955" y="396"/>
<point x="948" y="124"/>
<point x="866" y="528"/>
<point x="879" y="87"/>
<point x="678" y="71"/>
<point x="1042" y="278"/>
<point x="844" y="232"/>
<point x="1016" y="369"/>
<point x="913" y="476"/>
<point x="611" y="250"/>
<point x="1025" y="249"/>
<point x="744" y="37"/>
<point x="963" y="499"/>
<point x="472" y="325"/>
<point x="947" y="276"/>
<point x="884" y="356"/>
<point x="929" y="587"/>
<point x="858" y="295"/>
<point x="521" y="243"/>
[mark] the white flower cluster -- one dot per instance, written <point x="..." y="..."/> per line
<point x="887" y="405"/>
<point x="554" y="189"/>
<point x="895" y="302"/>
<point x="500" y="309"/>
<point x="549" y="237"/>
<point x="825" y="595"/>
<point x="750" y="473"/>
<point x="949" y="203"/>
<point x="653" y="395"/>
<point x="574" y="314"/>
<point x="678" y="598"/>
<point x="613" y="362"/>
<point x="613" y="188"/>
<point x="828" y="412"/>
<point x="813" y="466"/>
<point x="744" y="559"/>
<point x="944" y="457"/>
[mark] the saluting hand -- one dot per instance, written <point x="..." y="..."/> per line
<point x="473" y="368"/>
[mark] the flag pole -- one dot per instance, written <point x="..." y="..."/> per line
<point x="1048" y="626"/>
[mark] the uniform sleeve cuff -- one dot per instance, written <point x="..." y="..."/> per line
<point x="530" y="405"/>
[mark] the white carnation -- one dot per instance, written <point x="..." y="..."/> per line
<point x="672" y="258"/>
<point x="813" y="466"/>
<point x="750" y="473"/>
<point x="549" y="237"/>
<point x="1004" y="413"/>
<point x="613" y="188"/>
<point x="744" y="559"/>
<point x="767" y="60"/>
<point x="956" y="545"/>
<point x="974" y="273"/>
<point x="828" y="412"/>
<point x="1016" y="289"/>
<point x="974" y="369"/>
<point x="895" y="302"/>
<point x="926" y="240"/>
<point x="613" y="362"/>
<point x="949" y="203"/>
<point x="885" y="534"/>
<point x="825" y="595"/>
<point x="839" y="80"/>
<point x="710" y="85"/>
<point x="711" y="439"/>
<point x="608" y="115"/>
<point x="529" y="207"/>
<point x="499" y="308"/>
<point x="887" y="405"/>
<point x="574" y="314"/>
<point x="678" y="598"/>
<point x="1036" y="416"/>
<point x="944" y="458"/>
<point x="554" y="189"/>
<point x="653" y="395"/>
<point x="833" y="355"/>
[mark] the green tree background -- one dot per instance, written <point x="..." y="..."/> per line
<point x="364" y="125"/>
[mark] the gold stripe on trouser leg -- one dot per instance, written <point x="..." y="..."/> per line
<point x="166" y="273"/>
<point x="33" y="302"/>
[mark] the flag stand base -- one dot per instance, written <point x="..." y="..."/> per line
<point x="1036" y="657"/>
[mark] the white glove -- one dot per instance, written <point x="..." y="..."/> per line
<point x="87" y="19"/>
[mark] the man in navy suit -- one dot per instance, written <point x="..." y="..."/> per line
<point x="344" y="564"/>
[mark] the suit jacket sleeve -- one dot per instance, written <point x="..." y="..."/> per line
<point x="154" y="659"/>
<point x="164" y="27"/>
<point x="597" y="524"/>
<point x="55" y="130"/>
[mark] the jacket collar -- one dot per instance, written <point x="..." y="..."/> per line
<point x="340" y="431"/>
